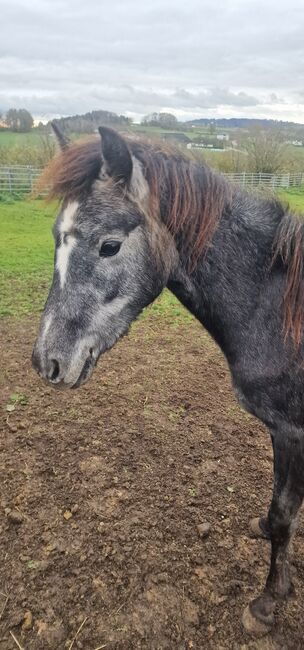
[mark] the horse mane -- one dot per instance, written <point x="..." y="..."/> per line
<point x="289" y="249"/>
<point x="188" y="197"/>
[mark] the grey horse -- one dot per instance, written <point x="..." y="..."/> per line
<point x="137" y="217"/>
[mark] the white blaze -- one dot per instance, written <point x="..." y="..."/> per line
<point x="65" y="247"/>
<point x="46" y="327"/>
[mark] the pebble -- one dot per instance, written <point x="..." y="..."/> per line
<point x="203" y="529"/>
<point x="15" y="517"/>
<point x="27" y="621"/>
<point x="67" y="515"/>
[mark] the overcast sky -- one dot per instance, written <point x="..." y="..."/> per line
<point x="194" y="58"/>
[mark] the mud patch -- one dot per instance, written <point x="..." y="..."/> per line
<point x="103" y="491"/>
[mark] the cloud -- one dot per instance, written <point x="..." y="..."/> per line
<point x="197" y="58"/>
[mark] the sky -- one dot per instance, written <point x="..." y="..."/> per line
<point x="192" y="58"/>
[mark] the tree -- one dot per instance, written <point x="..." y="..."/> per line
<point x="11" y="119"/>
<point x="265" y="151"/>
<point x="163" y="120"/>
<point x="167" y="121"/>
<point x="19" y="120"/>
<point x="150" y="120"/>
<point x="26" y="120"/>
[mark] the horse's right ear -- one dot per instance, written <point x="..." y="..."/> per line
<point x="116" y="157"/>
<point x="62" y="140"/>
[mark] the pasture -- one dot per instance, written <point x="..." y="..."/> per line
<point x="107" y="492"/>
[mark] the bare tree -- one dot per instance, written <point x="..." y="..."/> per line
<point x="266" y="151"/>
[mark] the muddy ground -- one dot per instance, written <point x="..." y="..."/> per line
<point x="103" y="490"/>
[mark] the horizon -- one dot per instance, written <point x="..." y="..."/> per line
<point x="185" y="121"/>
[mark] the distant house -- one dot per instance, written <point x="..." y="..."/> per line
<point x="203" y="145"/>
<point x="297" y="143"/>
<point x="222" y="136"/>
<point x="196" y="145"/>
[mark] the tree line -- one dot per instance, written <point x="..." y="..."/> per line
<point x="18" y="120"/>
<point x="89" y="122"/>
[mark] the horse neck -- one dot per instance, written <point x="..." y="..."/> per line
<point x="223" y="288"/>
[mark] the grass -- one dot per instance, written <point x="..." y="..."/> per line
<point x="26" y="255"/>
<point x="26" y="258"/>
<point x="294" y="198"/>
<point x="9" y="139"/>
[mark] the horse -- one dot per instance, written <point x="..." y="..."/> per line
<point x="137" y="217"/>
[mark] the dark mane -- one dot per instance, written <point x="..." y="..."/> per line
<point x="289" y="248"/>
<point x="190" y="199"/>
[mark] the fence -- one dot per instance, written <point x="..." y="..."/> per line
<point x="247" y="179"/>
<point x="19" y="179"/>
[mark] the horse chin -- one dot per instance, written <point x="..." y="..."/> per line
<point x="86" y="372"/>
<point x="91" y="361"/>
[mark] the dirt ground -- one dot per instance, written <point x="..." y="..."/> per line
<point x="103" y="490"/>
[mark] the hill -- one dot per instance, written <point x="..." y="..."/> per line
<point x="242" y="123"/>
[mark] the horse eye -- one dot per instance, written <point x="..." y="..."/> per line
<point x="109" y="248"/>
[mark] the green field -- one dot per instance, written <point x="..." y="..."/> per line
<point x="9" y="139"/>
<point x="26" y="256"/>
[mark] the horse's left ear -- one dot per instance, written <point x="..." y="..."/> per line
<point x="116" y="157"/>
<point x="62" y="139"/>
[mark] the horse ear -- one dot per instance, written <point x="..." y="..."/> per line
<point x="62" y="140"/>
<point x="116" y="157"/>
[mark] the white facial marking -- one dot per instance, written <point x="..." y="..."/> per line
<point x="47" y="325"/>
<point x="67" y="241"/>
<point x="68" y="216"/>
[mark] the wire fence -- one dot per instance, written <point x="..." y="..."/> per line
<point x="21" y="179"/>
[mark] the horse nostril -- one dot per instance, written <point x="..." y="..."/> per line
<point x="91" y="351"/>
<point x="55" y="370"/>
